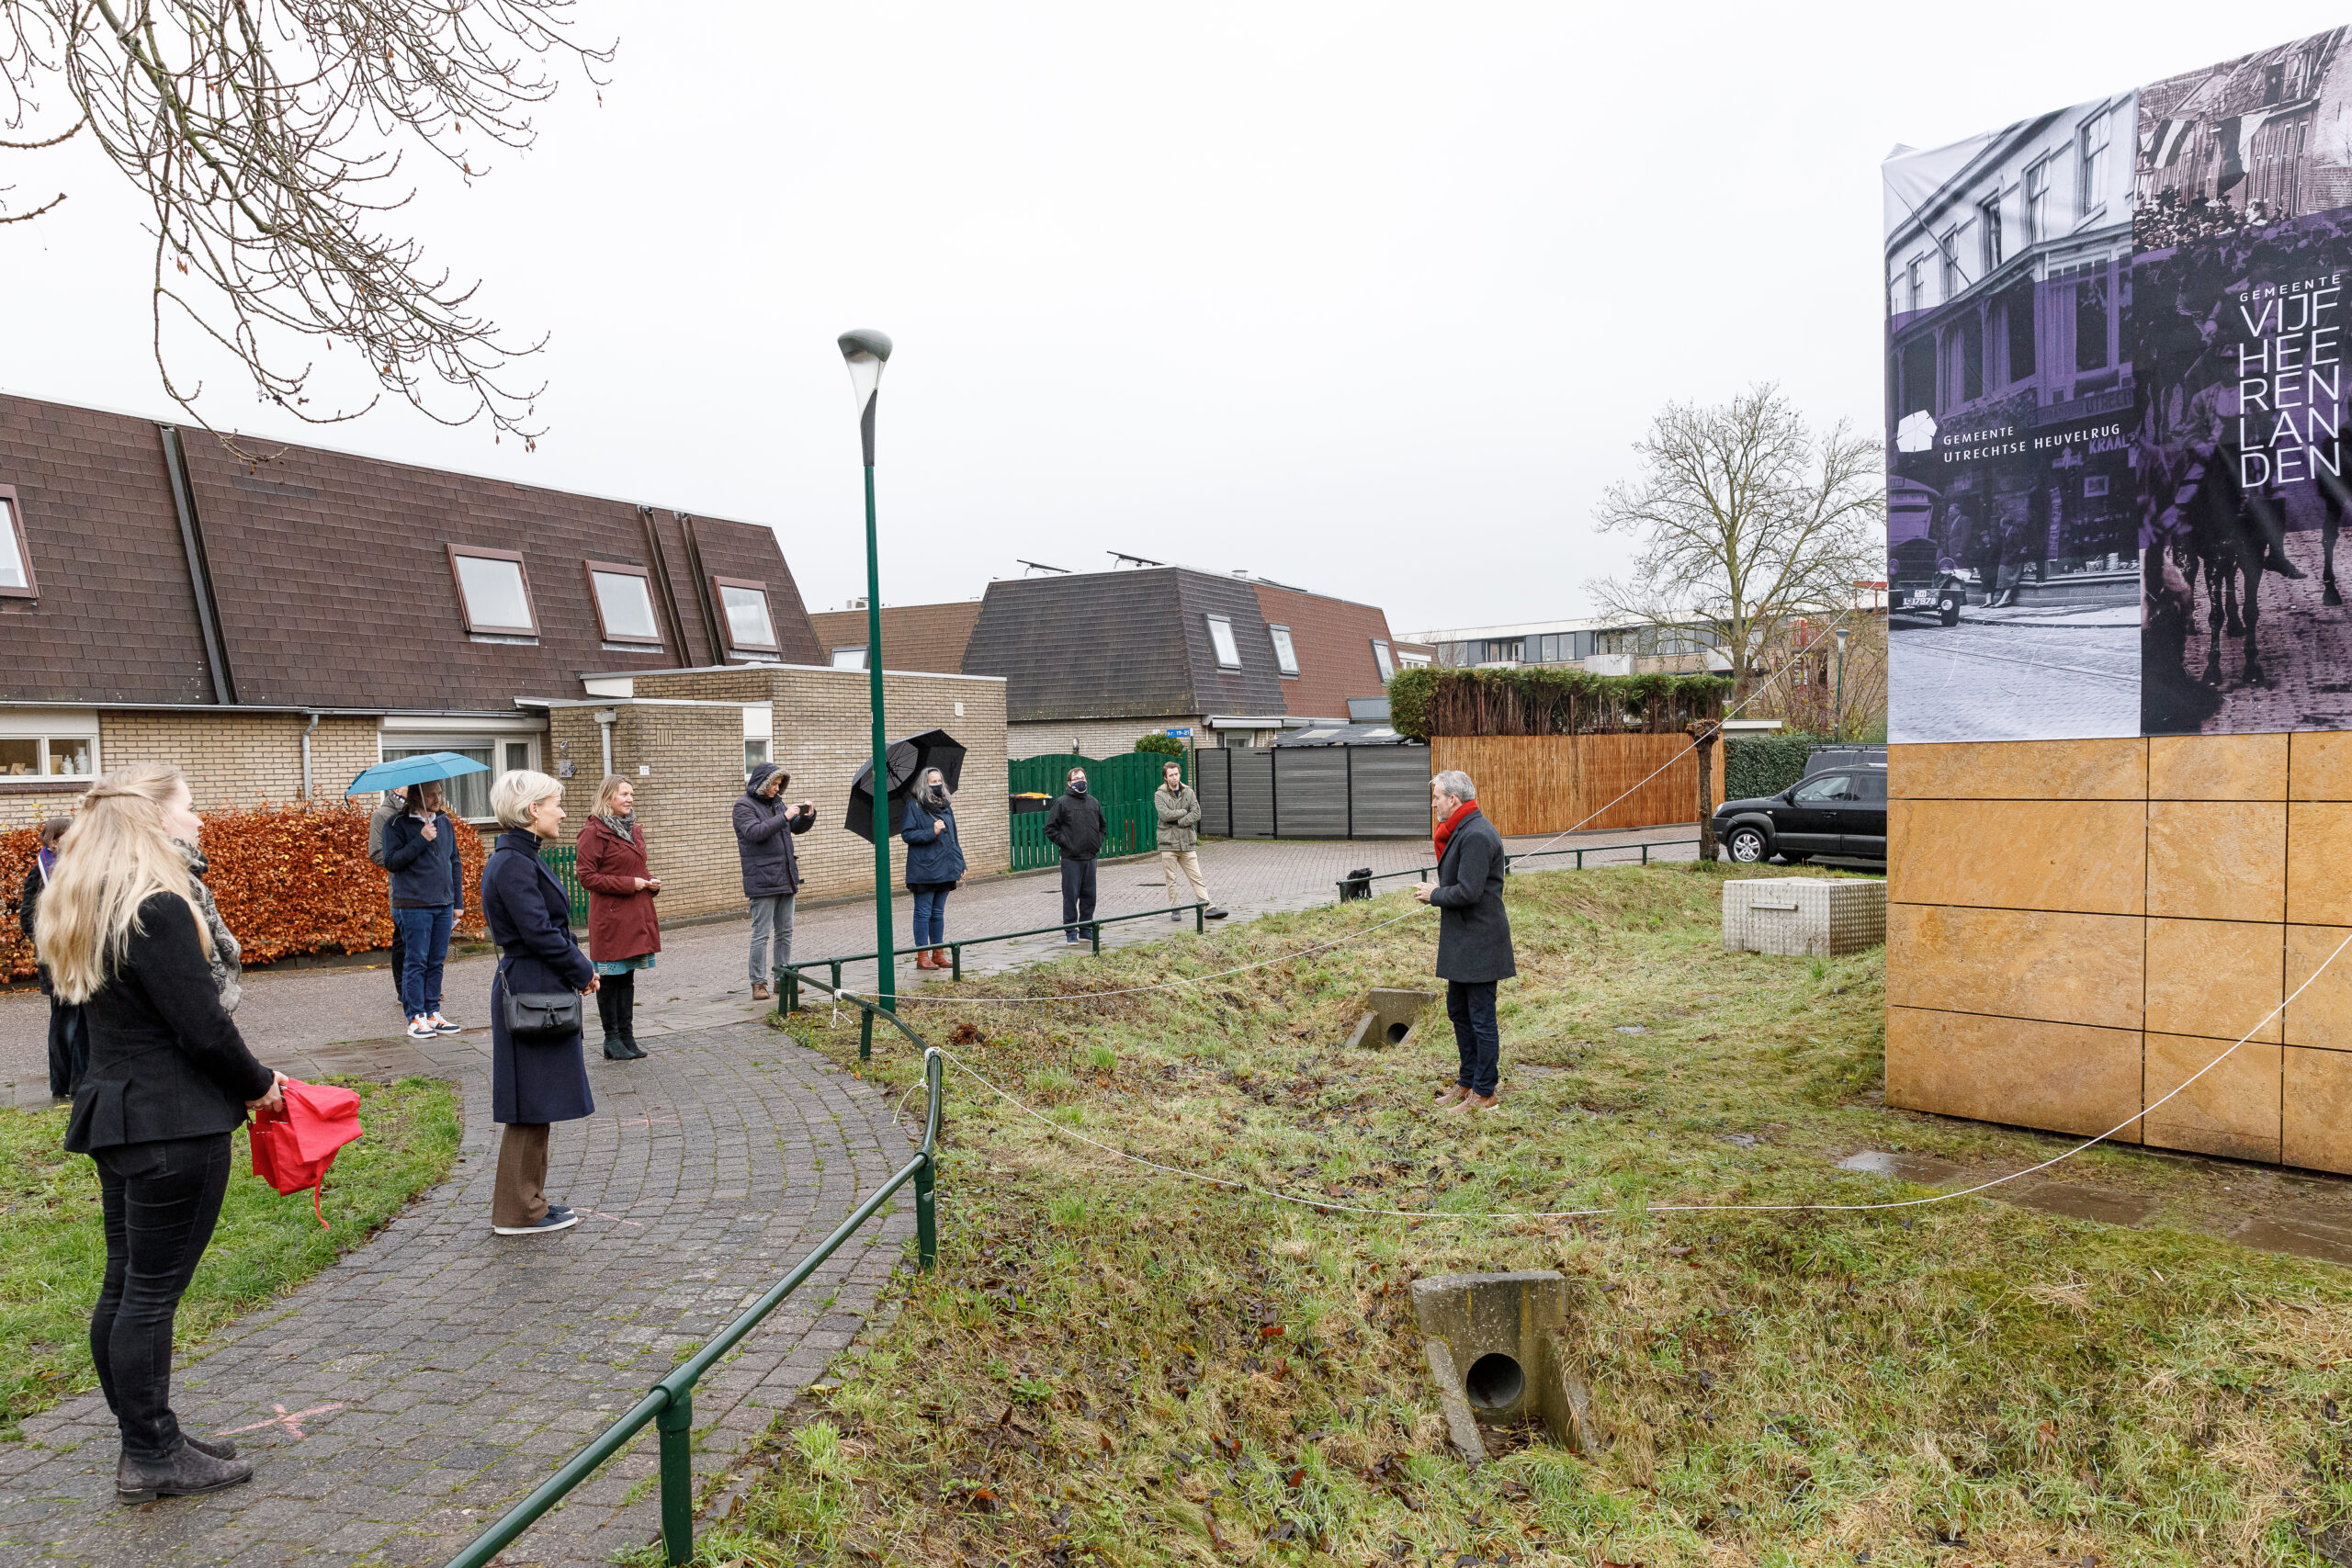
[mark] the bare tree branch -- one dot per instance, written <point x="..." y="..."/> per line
<point x="264" y="135"/>
<point x="1746" y="519"/>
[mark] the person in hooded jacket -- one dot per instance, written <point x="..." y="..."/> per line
<point x="624" y="932"/>
<point x="1074" y="825"/>
<point x="764" y="833"/>
<point x="934" y="864"/>
<point x="69" y="1045"/>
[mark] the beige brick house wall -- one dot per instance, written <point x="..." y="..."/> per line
<point x="230" y="759"/>
<point x="693" y="758"/>
<point x="694" y="751"/>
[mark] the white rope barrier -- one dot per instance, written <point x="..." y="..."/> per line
<point x="1326" y="1205"/>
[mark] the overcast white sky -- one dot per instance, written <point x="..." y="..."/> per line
<point x="1370" y="298"/>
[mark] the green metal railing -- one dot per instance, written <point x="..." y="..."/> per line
<point x="669" y="1404"/>
<point x="788" y="975"/>
<point x="1421" y="872"/>
<point x="564" y="861"/>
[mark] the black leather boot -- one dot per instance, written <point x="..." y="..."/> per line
<point x="625" y="1011"/>
<point x="186" y="1471"/>
<point x="616" y="1043"/>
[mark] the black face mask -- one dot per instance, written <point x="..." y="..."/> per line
<point x="1078" y="786"/>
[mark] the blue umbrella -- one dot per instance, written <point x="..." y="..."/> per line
<point x="404" y="770"/>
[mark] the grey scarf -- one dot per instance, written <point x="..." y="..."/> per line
<point x="228" y="971"/>
<point x="623" y="827"/>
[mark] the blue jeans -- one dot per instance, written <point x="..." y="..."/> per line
<point x="931" y="916"/>
<point x="1471" y="1006"/>
<point x="424" y="944"/>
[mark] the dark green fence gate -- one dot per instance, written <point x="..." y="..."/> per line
<point x="1123" y="784"/>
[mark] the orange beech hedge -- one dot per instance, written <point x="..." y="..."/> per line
<point x="289" y="879"/>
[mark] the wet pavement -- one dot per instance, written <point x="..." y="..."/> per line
<point x="2298" y="1213"/>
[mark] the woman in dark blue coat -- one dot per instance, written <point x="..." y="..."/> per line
<point x="529" y="915"/>
<point x="934" y="864"/>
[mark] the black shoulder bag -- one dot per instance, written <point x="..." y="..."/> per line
<point x="540" y="1017"/>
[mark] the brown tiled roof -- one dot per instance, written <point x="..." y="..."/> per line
<point x="331" y="573"/>
<point x="1333" y="639"/>
<point x="915" y="638"/>
<point x="115" y="620"/>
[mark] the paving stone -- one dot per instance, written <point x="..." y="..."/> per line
<point x="442" y="1367"/>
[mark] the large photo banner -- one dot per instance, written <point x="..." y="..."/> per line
<point x="2114" y="386"/>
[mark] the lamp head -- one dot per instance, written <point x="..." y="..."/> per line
<point x="867" y="351"/>
<point x="1841" y="634"/>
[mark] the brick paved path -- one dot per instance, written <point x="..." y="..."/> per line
<point x="431" y="1378"/>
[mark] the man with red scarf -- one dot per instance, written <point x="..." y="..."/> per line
<point x="1474" y="948"/>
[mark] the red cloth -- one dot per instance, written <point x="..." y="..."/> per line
<point x="1445" y="829"/>
<point x="295" y="1147"/>
<point x="621" y="921"/>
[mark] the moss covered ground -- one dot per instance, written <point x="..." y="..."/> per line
<point x="1114" y="1366"/>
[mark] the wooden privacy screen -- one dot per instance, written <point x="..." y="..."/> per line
<point x="1549" y="783"/>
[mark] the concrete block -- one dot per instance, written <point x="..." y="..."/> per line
<point x="1497" y="1347"/>
<point x="1390" y="1017"/>
<point x="1797" y="916"/>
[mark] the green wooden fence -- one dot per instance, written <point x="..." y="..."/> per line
<point x="564" y="861"/>
<point x="1125" y="785"/>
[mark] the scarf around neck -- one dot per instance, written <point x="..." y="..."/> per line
<point x="1445" y="829"/>
<point x="623" y="828"/>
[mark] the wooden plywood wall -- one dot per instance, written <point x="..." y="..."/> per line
<point x="2075" y="927"/>
<point x="1550" y="783"/>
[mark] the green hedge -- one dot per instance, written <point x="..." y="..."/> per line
<point x="1758" y="765"/>
<point x="1165" y="745"/>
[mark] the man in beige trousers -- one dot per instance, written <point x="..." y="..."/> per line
<point x="1179" y="821"/>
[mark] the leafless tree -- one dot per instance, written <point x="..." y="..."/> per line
<point x="1746" y="519"/>
<point x="266" y="136"/>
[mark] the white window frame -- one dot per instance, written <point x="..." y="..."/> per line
<point x="849" y="658"/>
<point x="1382" y="661"/>
<point x="1221" y="646"/>
<point x="43" y="755"/>
<point x="2090" y="158"/>
<point x="1988" y="232"/>
<point x="407" y="742"/>
<point x="2037" y="201"/>
<point x="1285" y="651"/>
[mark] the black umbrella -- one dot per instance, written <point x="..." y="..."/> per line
<point x="907" y="761"/>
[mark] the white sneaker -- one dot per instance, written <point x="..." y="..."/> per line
<point x="422" y="1028"/>
<point x="443" y="1026"/>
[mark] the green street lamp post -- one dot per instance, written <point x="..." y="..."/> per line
<point x="1841" y="634"/>
<point x="866" y="352"/>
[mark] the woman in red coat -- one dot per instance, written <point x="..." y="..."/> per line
<point x="622" y="932"/>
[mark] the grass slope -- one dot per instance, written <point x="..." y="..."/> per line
<point x="1111" y="1366"/>
<point x="53" y="1248"/>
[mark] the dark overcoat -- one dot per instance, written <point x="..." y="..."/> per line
<point x="933" y="855"/>
<point x="1472" y="929"/>
<point x="621" y="919"/>
<point x="529" y="915"/>
<point x="166" y="1060"/>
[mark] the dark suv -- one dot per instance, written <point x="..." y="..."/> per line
<point x="1837" y="814"/>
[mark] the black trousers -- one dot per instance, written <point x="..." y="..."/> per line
<point x="1471" y="1005"/>
<point x="161" y="1201"/>
<point x="616" y="1005"/>
<point x="1078" y="894"/>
